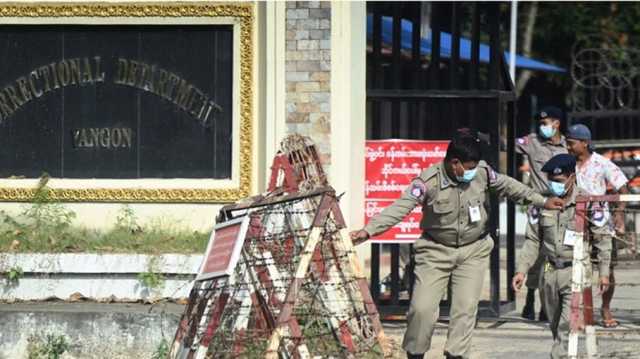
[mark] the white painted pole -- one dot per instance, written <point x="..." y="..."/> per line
<point x="512" y="40"/>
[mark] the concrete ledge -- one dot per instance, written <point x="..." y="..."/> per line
<point x="100" y="263"/>
<point x="97" y="276"/>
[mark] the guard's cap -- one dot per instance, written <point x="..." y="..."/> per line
<point x="579" y="132"/>
<point x="559" y="164"/>
<point x="550" y="112"/>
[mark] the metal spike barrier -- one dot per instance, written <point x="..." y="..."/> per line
<point x="297" y="290"/>
<point x="581" y="317"/>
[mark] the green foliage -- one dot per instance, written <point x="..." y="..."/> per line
<point x="14" y="274"/>
<point x="127" y="220"/>
<point x="47" y="226"/>
<point x="162" y="350"/>
<point x="152" y="278"/>
<point x="559" y="25"/>
<point x="44" y="221"/>
<point x="255" y="348"/>
<point x="319" y="337"/>
<point x="49" y="346"/>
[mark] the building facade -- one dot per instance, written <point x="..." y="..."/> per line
<point x="177" y="108"/>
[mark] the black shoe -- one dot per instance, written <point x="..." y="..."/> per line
<point x="449" y="356"/>
<point x="543" y="316"/>
<point x="414" y="356"/>
<point x="528" y="312"/>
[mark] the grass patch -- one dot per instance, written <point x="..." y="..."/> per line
<point x="46" y="227"/>
<point x="16" y="236"/>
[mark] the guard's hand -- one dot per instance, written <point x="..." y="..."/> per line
<point x="359" y="236"/>
<point x="554" y="203"/>
<point x="603" y="284"/>
<point x="518" y="281"/>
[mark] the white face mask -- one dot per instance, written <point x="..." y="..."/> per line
<point x="557" y="188"/>
<point x="547" y="131"/>
<point x="467" y="176"/>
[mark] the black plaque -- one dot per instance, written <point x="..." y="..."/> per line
<point x="116" y="101"/>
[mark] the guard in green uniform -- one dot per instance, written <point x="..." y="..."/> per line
<point x="455" y="244"/>
<point x="538" y="148"/>
<point x="557" y="232"/>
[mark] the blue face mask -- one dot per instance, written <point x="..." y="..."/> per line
<point x="467" y="176"/>
<point x="557" y="188"/>
<point x="547" y="131"/>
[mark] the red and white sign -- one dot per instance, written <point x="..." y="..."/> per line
<point x="390" y="167"/>
<point x="223" y="250"/>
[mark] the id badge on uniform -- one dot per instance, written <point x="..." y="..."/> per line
<point x="569" y="238"/>
<point x="533" y="214"/>
<point x="474" y="213"/>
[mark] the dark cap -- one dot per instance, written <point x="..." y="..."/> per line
<point x="579" y="132"/>
<point x="550" y="112"/>
<point x="559" y="164"/>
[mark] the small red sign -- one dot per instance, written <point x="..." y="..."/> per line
<point x="223" y="250"/>
<point x="390" y="167"/>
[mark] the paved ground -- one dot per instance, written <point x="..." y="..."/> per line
<point x="512" y="337"/>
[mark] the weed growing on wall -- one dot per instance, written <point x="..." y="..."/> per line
<point x="127" y="220"/>
<point x="49" y="346"/>
<point x="13" y="275"/>
<point x="162" y="350"/>
<point x="152" y="278"/>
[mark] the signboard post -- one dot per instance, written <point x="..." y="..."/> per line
<point x="390" y="167"/>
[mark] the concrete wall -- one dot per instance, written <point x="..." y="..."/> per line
<point x="115" y="331"/>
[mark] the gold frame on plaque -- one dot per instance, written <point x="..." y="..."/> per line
<point x="243" y="13"/>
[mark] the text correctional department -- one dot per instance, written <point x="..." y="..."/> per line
<point x="88" y="71"/>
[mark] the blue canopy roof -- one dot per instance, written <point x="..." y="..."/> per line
<point x="445" y="45"/>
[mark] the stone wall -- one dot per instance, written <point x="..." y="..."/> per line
<point x="308" y="72"/>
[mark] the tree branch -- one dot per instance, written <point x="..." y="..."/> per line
<point x="527" y="40"/>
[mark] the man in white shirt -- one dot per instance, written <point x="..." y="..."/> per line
<point x="594" y="173"/>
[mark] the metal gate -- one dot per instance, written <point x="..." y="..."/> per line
<point x="417" y="91"/>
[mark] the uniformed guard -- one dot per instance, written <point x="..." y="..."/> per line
<point x="538" y="148"/>
<point x="455" y="244"/>
<point x="557" y="232"/>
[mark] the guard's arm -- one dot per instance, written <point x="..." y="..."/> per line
<point x="528" y="254"/>
<point x="512" y="189"/>
<point x="390" y="216"/>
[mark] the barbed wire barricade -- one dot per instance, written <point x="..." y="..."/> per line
<point x="625" y="254"/>
<point x="604" y="74"/>
<point x="297" y="290"/>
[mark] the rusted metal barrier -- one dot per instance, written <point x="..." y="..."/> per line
<point x="625" y="248"/>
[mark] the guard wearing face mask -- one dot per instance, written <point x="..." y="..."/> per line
<point x="455" y="243"/>
<point x="538" y="148"/>
<point x="557" y="233"/>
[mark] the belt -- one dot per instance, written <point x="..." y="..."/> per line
<point x="429" y="237"/>
<point x="559" y="264"/>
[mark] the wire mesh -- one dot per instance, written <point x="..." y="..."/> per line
<point x="618" y="217"/>
<point x="325" y="312"/>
